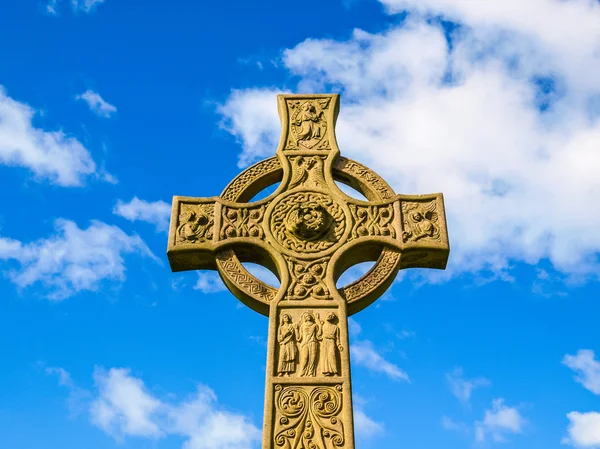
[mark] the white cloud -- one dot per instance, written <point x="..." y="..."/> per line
<point x="364" y="354"/>
<point x="587" y="368"/>
<point x="72" y="260"/>
<point x="353" y="327"/>
<point x="364" y="426"/>
<point x="499" y="421"/>
<point x="209" y="282"/>
<point x="453" y="426"/>
<point x="463" y="388"/>
<point x="97" y="104"/>
<point x="123" y="406"/>
<point x="86" y="6"/>
<point x="584" y="430"/>
<point x="468" y="121"/>
<point x="156" y="212"/>
<point x="49" y="155"/>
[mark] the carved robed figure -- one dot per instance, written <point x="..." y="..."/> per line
<point x="308" y="232"/>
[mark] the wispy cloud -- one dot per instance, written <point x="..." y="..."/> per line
<point x="153" y="212"/>
<point x="97" y="104"/>
<point x="73" y="259"/>
<point x="586" y="366"/>
<point x="498" y="422"/>
<point x="364" y="354"/>
<point x="463" y="388"/>
<point x="51" y="155"/>
<point x="86" y="6"/>
<point x="122" y="406"/>
<point x="584" y="428"/>
<point x="209" y="282"/>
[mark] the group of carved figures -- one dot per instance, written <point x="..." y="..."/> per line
<point x="306" y="342"/>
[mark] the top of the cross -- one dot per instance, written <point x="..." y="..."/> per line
<point x="308" y="231"/>
<point x="308" y="123"/>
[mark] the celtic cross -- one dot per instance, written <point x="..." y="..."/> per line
<point x="308" y="232"/>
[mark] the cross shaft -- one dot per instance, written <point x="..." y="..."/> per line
<point x="308" y="232"/>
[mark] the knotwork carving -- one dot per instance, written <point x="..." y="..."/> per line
<point x="308" y="417"/>
<point x="308" y="127"/>
<point x="307" y="279"/>
<point x="307" y="171"/>
<point x="308" y="222"/>
<point x="420" y="221"/>
<point x="195" y="223"/>
<point x="242" y="222"/>
<point x="372" y="220"/>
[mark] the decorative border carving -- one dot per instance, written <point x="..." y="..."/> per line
<point x="383" y="269"/>
<point x="230" y="266"/>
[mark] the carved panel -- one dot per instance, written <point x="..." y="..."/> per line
<point x="307" y="222"/>
<point x="195" y="223"/>
<point x="307" y="171"/>
<point x="307" y="279"/>
<point x="308" y="343"/>
<point x="420" y="221"/>
<point x="242" y="222"/>
<point x="308" y="126"/>
<point x="308" y="417"/>
<point x="372" y="220"/>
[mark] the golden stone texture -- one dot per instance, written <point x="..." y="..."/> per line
<point x="308" y="232"/>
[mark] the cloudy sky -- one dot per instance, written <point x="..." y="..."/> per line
<point x="110" y="107"/>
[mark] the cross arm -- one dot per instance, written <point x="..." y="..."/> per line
<point x="201" y="227"/>
<point x="414" y="225"/>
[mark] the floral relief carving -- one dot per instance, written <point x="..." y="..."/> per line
<point x="308" y="417"/>
<point x="308" y="222"/>
<point x="420" y="221"/>
<point x="195" y="223"/>
<point x="308" y="127"/>
<point x="372" y="220"/>
<point x="242" y="222"/>
<point x="307" y="279"/>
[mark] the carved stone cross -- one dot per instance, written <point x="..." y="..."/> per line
<point x="308" y="232"/>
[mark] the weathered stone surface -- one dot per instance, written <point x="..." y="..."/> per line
<point x="308" y="232"/>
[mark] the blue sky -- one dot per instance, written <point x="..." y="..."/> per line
<point x="110" y="107"/>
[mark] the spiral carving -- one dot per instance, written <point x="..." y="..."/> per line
<point x="308" y="417"/>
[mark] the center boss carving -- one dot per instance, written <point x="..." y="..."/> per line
<point x="308" y="232"/>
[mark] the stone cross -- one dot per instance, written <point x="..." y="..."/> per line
<point x="308" y="232"/>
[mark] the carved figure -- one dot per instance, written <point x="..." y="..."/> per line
<point x="309" y="335"/>
<point x="420" y="221"/>
<point x="286" y="336"/>
<point x="331" y="345"/>
<point x="309" y="122"/>
<point x="194" y="226"/>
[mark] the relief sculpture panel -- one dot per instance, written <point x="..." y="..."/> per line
<point x="195" y="223"/>
<point x="308" y="417"/>
<point x="309" y="344"/>
<point x="420" y="221"/>
<point x="307" y="279"/>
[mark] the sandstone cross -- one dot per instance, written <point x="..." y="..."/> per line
<point x="308" y="232"/>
